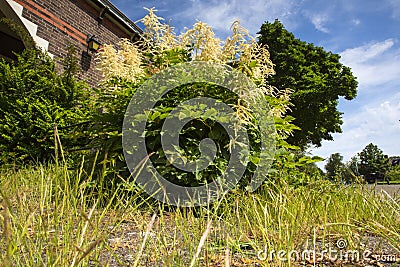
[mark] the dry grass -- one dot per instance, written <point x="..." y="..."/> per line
<point x="50" y="218"/>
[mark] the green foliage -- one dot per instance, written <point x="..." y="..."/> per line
<point x="317" y="78"/>
<point x="370" y="165"/>
<point x="338" y="171"/>
<point x="125" y="69"/>
<point x="393" y="174"/>
<point x="190" y="136"/>
<point x="104" y="132"/>
<point x="112" y="102"/>
<point x="292" y="167"/>
<point x="334" y="165"/>
<point x="373" y="163"/>
<point x="34" y="101"/>
<point x="350" y="172"/>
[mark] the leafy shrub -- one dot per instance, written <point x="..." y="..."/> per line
<point x="393" y="174"/>
<point x="126" y="66"/>
<point x="35" y="101"/>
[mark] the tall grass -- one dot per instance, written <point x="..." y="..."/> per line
<point x="51" y="216"/>
<point x="54" y="217"/>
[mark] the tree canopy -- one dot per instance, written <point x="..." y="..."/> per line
<point x="334" y="165"/>
<point x="317" y="78"/>
<point x="373" y="161"/>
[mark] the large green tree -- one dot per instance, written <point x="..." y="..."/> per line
<point x="317" y="78"/>
<point x="334" y="165"/>
<point x="373" y="163"/>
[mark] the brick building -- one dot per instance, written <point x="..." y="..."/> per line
<point x="54" y="24"/>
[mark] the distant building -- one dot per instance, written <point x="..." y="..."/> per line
<point x="54" y="24"/>
<point x="395" y="161"/>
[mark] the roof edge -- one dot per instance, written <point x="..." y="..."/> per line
<point x="118" y="15"/>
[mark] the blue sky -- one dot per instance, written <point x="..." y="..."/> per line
<point x="366" y="33"/>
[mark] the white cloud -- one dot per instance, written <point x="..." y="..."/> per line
<point x="376" y="123"/>
<point x="377" y="66"/>
<point x="395" y="7"/>
<point x="374" y="63"/>
<point x="319" y="21"/>
<point x="366" y="52"/>
<point x="356" y="22"/>
<point x="251" y="13"/>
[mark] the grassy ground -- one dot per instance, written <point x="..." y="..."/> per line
<point x="49" y="218"/>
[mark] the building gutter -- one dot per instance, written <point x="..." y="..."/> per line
<point x="118" y="15"/>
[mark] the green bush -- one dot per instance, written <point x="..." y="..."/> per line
<point x="106" y="129"/>
<point x="36" y="104"/>
<point x="190" y="136"/>
<point x="393" y="174"/>
<point x="291" y="165"/>
<point x="127" y="66"/>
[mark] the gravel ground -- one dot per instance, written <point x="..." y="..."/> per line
<point x="372" y="251"/>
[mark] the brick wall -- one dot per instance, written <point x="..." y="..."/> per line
<point x="64" y="22"/>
